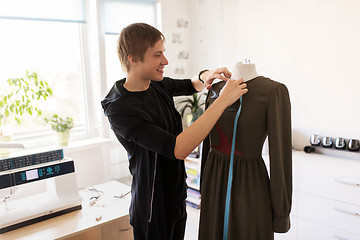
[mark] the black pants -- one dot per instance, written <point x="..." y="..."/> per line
<point x="169" y="227"/>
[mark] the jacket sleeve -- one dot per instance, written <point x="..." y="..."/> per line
<point x="179" y="87"/>
<point x="280" y="152"/>
<point x="142" y="132"/>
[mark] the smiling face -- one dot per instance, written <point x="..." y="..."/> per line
<point x="153" y="63"/>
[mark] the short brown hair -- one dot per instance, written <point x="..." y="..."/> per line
<point x="134" y="40"/>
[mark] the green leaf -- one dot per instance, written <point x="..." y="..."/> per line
<point x="194" y="104"/>
<point x="17" y="120"/>
<point x="21" y="95"/>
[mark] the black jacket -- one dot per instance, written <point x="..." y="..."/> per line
<point x="146" y="123"/>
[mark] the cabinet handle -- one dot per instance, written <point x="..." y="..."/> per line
<point x="339" y="237"/>
<point x="124" y="230"/>
<point x="346" y="211"/>
<point x="348" y="182"/>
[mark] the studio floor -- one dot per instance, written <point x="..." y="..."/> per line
<point x="192" y="224"/>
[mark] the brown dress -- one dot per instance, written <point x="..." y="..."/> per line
<point x="259" y="205"/>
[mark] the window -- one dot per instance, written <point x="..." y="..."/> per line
<point x="117" y="15"/>
<point x="52" y="39"/>
<point x="46" y="37"/>
<point x="53" y="50"/>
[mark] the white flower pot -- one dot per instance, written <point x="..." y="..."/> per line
<point x="189" y="118"/>
<point x="5" y="152"/>
<point x="63" y="138"/>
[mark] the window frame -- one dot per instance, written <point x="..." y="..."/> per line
<point x="92" y="128"/>
<point x="92" y="41"/>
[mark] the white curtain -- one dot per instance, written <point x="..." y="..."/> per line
<point x="54" y="10"/>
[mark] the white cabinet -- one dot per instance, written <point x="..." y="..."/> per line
<point x="309" y="230"/>
<point x="192" y="168"/>
<point x="329" y="177"/>
<point x="331" y="213"/>
<point x="327" y="193"/>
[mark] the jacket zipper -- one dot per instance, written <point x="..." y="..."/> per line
<point x="153" y="189"/>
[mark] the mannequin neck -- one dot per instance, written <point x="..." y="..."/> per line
<point x="246" y="71"/>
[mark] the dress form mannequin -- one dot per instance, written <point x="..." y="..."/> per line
<point x="246" y="71"/>
<point x="259" y="205"/>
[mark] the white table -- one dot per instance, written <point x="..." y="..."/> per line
<point x="107" y="218"/>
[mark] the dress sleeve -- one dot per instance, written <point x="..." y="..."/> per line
<point x="280" y="152"/>
<point x="143" y="133"/>
<point x="205" y="146"/>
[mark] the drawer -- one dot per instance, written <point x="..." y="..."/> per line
<point x="308" y="230"/>
<point x="337" y="179"/>
<point x="91" y="234"/>
<point x="117" y="229"/>
<point x="331" y="213"/>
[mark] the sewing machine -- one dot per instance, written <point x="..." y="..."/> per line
<point x="36" y="187"/>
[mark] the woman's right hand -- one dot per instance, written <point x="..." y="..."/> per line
<point x="232" y="91"/>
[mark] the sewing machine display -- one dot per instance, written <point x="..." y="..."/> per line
<point x="60" y="196"/>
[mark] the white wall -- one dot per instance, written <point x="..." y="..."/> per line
<point x="311" y="46"/>
<point x="92" y="164"/>
<point x="171" y="12"/>
<point x="98" y="160"/>
<point x="207" y="32"/>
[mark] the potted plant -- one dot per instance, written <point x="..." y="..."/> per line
<point x="194" y="104"/>
<point x="62" y="126"/>
<point x="17" y="98"/>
